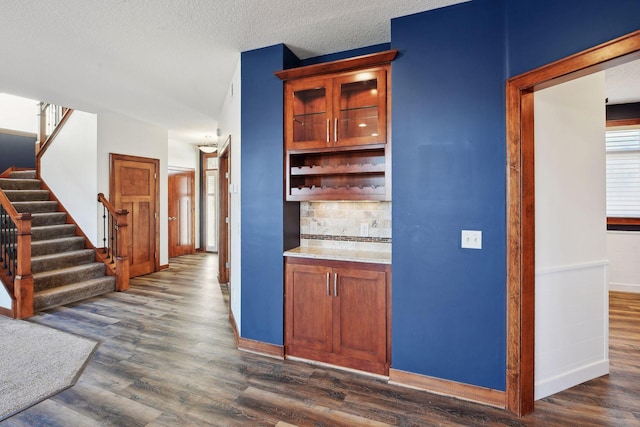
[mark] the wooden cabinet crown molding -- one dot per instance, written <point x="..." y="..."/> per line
<point x="342" y="65"/>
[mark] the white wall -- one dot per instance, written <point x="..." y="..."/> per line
<point x="122" y="135"/>
<point x="68" y="168"/>
<point x="571" y="337"/>
<point x="5" y="299"/>
<point x="186" y="155"/>
<point x="230" y="126"/>
<point x="18" y="113"/>
<point x="624" y="261"/>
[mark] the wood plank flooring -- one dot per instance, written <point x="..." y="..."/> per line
<point x="167" y="357"/>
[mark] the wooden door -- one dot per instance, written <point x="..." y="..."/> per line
<point x="134" y="187"/>
<point x="224" y="218"/>
<point x="308" y="309"/>
<point x="360" y="314"/>
<point x="181" y="212"/>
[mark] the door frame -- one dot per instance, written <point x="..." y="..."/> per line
<point x="521" y="203"/>
<point x="156" y="162"/>
<point x="224" y="211"/>
<point x="204" y="211"/>
<point x="192" y="172"/>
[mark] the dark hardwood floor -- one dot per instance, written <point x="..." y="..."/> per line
<point x="167" y="357"/>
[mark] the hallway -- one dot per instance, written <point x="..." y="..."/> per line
<point x="167" y="357"/>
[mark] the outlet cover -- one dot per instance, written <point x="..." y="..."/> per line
<point x="471" y="239"/>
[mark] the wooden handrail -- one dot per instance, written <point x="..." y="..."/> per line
<point x="116" y="254"/>
<point x="19" y="283"/>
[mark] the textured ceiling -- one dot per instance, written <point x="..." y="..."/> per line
<point x="170" y="62"/>
<point x="623" y="83"/>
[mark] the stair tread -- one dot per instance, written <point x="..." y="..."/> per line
<point x="61" y="254"/>
<point x="81" y="284"/>
<point x="66" y="270"/>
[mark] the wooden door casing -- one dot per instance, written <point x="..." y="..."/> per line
<point x="181" y="212"/>
<point x="224" y="217"/>
<point x="134" y="187"/>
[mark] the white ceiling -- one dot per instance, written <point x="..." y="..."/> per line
<point x="623" y="83"/>
<point x="170" y="62"/>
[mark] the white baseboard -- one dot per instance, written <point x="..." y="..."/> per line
<point x="625" y="287"/>
<point x="569" y="379"/>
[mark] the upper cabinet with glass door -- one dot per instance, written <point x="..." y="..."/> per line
<point x="338" y="104"/>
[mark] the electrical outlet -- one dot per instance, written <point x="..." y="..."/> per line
<point x="364" y="230"/>
<point x="471" y="239"/>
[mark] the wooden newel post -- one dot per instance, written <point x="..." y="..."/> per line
<point x="23" y="284"/>
<point x="122" y="250"/>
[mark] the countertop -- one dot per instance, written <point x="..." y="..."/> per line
<point x="340" y="255"/>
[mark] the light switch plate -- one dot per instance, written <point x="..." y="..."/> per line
<point x="471" y="239"/>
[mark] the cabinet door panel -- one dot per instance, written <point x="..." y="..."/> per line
<point x="360" y="108"/>
<point x="308" y="114"/>
<point x="360" y="314"/>
<point x="308" y="308"/>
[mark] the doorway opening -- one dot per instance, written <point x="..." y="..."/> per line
<point x="521" y="204"/>
<point x="210" y="202"/>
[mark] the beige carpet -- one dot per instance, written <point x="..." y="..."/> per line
<point x="37" y="362"/>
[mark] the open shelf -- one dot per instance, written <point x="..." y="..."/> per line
<point x="337" y="175"/>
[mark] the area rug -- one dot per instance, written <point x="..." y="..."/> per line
<point x="37" y="362"/>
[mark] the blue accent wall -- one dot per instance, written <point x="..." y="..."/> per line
<point x="17" y="150"/>
<point x="346" y="54"/>
<point x="543" y="31"/>
<point x="269" y="225"/>
<point x="449" y="174"/>
<point x="449" y="304"/>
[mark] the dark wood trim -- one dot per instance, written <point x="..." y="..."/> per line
<point x="7" y="312"/>
<point x="259" y="347"/>
<point x="357" y="62"/>
<point x="521" y="203"/>
<point x="163" y="267"/>
<point x="224" y="211"/>
<point x="18" y="133"/>
<point x="622" y="221"/>
<point x="623" y="122"/>
<point x="44" y="145"/>
<point x="472" y="393"/>
<point x="172" y="170"/>
<point x="10" y="169"/>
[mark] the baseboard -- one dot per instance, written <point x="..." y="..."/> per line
<point x="472" y="393"/>
<point x="569" y="379"/>
<point x="234" y="326"/>
<point x="262" y="348"/>
<point x="7" y="312"/>
<point x="163" y="267"/>
<point x="625" y="287"/>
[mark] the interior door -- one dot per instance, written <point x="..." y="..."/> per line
<point x="181" y="212"/>
<point x="134" y="187"/>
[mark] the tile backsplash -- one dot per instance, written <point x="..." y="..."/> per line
<point x="364" y="226"/>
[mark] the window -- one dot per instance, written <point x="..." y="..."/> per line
<point x="623" y="173"/>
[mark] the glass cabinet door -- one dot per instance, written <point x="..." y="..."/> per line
<point x="360" y="108"/>
<point x="308" y="118"/>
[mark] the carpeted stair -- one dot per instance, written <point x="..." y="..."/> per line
<point x="63" y="270"/>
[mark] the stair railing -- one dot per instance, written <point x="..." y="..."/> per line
<point x="115" y="242"/>
<point x="15" y="257"/>
<point x="52" y="118"/>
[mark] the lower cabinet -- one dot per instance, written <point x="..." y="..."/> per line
<point x="338" y="312"/>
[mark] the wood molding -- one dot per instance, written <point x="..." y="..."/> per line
<point x="623" y="221"/>
<point x="18" y="133"/>
<point x="163" y="267"/>
<point x="521" y="204"/>
<point x="259" y="347"/>
<point x="234" y="326"/>
<point x="623" y="122"/>
<point x="339" y="66"/>
<point x="7" y="312"/>
<point x="472" y="393"/>
<point x="44" y="145"/>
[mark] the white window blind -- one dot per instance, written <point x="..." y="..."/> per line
<point x="623" y="173"/>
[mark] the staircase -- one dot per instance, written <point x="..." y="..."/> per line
<point x="63" y="264"/>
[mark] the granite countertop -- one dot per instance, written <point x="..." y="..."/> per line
<point x="340" y="255"/>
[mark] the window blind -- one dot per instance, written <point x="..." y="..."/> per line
<point x="623" y="173"/>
